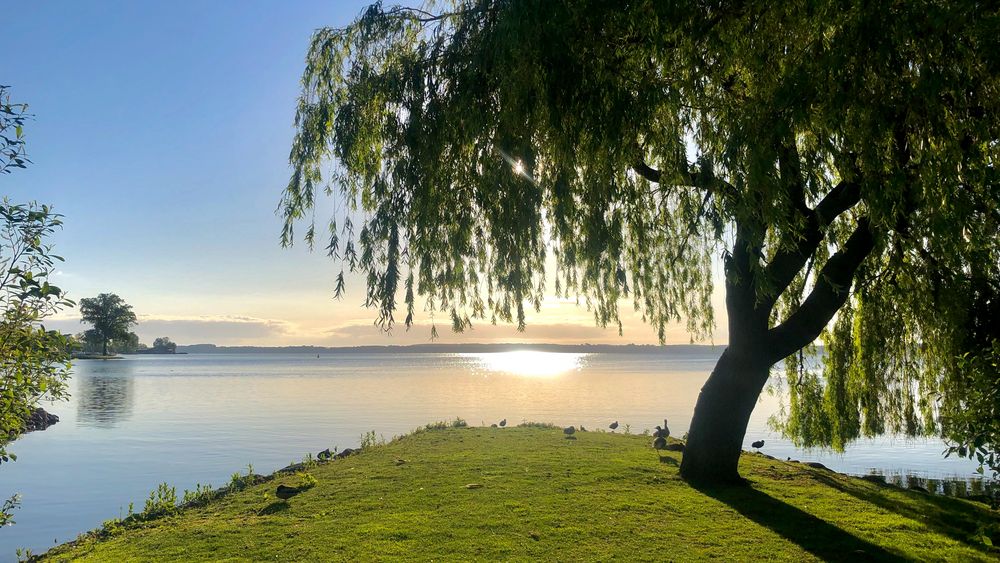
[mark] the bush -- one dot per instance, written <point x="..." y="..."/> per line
<point x="161" y="502"/>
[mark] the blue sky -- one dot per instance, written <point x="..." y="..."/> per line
<point x="162" y="132"/>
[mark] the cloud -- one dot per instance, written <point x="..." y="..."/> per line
<point x="223" y="330"/>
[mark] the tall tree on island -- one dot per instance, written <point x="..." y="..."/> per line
<point x="111" y="316"/>
<point x="839" y="161"/>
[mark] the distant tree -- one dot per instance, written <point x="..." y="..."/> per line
<point x="840" y="161"/>
<point x="127" y="344"/>
<point x="164" y="344"/>
<point x="110" y="315"/>
<point x="89" y="341"/>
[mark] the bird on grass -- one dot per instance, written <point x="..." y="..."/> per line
<point x="662" y="432"/>
<point x="569" y="430"/>
<point x="757" y="445"/>
<point x="285" y="492"/>
<point x="659" y="443"/>
<point x="613" y="426"/>
<point x="503" y="423"/>
<point x="660" y="436"/>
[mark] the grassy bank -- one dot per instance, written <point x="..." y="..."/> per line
<point x="537" y="495"/>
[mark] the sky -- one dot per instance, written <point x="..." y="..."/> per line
<point x="161" y="132"/>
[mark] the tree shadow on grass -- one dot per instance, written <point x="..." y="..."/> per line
<point x="819" y="537"/>
<point x="669" y="461"/>
<point x="273" y="508"/>
<point x="945" y="515"/>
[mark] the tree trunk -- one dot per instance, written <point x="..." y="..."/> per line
<point x="104" y="345"/>
<point x="715" y="439"/>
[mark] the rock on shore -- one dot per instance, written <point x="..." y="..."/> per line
<point x="39" y="419"/>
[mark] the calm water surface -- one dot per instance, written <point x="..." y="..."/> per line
<point x="139" y="421"/>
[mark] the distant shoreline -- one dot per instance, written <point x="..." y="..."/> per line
<point x="675" y="349"/>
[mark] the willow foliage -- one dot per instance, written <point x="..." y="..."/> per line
<point x="812" y="146"/>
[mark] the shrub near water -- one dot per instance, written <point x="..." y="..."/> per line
<point x="162" y="501"/>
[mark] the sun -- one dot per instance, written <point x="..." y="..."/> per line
<point x="528" y="363"/>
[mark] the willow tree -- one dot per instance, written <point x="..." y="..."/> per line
<point x="839" y="161"/>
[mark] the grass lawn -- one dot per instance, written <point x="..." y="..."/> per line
<point x="600" y="496"/>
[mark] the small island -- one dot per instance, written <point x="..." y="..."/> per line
<point x="112" y="319"/>
<point x="162" y="345"/>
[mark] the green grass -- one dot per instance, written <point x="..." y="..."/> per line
<point x="544" y="497"/>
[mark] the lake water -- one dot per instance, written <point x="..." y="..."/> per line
<point x="136" y="422"/>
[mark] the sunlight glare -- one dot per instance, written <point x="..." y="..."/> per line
<point x="519" y="168"/>
<point x="529" y="363"/>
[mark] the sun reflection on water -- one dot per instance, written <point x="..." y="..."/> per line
<point x="528" y="363"/>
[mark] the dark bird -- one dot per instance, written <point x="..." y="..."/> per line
<point x="662" y="432"/>
<point x="503" y="423"/>
<point x="569" y="430"/>
<point x="757" y="445"/>
<point x="284" y="492"/>
<point x="325" y="454"/>
<point x="613" y="426"/>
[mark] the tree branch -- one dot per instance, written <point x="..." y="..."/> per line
<point x="827" y="297"/>
<point x="841" y="198"/>
<point x="651" y="174"/>
<point x="787" y="262"/>
<point x="685" y="177"/>
<point x="423" y="16"/>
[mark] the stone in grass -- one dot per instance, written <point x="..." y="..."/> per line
<point x="284" y="492"/>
